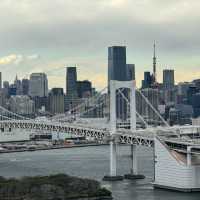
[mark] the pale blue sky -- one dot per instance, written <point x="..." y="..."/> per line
<point x="45" y="35"/>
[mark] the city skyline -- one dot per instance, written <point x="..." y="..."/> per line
<point x="38" y="40"/>
<point x="92" y="79"/>
<point x="107" y="92"/>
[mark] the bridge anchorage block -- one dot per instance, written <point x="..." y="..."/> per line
<point x="113" y="178"/>
<point x="134" y="176"/>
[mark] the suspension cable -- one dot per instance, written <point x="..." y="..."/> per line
<point x="158" y="114"/>
<point x="141" y="118"/>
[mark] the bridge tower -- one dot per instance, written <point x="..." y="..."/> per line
<point x="114" y="86"/>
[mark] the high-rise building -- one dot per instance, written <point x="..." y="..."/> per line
<point x="196" y="104"/>
<point x="38" y="85"/>
<point x="71" y="79"/>
<point x="25" y="86"/>
<point x="197" y="83"/>
<point x="84" y="89"/>
<point x="182" y="89"/>
<point x="147" y="82"/>
<point x="3" y="99"/>
<point x="168" y="79"/>
<point x="130" y="71"/>
<point x="6" y="88"/>
<point x="117" y="69"/>
<point x="192" y="90"/>
<point x="18" y="85"/>
<point x="56" y="100"/>
<point x="12" y="90"/>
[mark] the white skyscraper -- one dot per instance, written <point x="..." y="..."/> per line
<point x="38" y="85"/>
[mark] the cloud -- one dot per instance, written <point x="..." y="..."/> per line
<point x="17" y="59"/>
<point x="33" y="57"/>
<point x="8" y="59"/>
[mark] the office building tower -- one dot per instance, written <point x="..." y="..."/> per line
<point x="38" y="86"/>
<point x="168" y="79"/>
<point x="6" y="88"/>
<point x="71" y="79"/>
<point x="196" y="82"/>
<point x="84" y="89"/>
<point x="117" y="69"/>
<point x="56" y="101"/>
<point x="182" y="89"/>
<point x="130" y="72"/>
<point x="196" y="104"/>
<point x="192" y="90"/>
<point x="5" y="84"/>
<point x="12" y="90"/>
<point x="147" y="82"/>
<point x="3" y="99"/>
<point x="25" y="86"/>
<point x="18" y="85"/>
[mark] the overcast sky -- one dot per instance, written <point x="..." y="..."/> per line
<point x="46" y="36"/>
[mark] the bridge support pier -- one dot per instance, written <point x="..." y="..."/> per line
<point x="113" y="159"/>
<point x="134" y="165"/>
<point x="113" y="164"/>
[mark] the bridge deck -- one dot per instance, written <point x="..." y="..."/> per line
<point x="188" y="134"/>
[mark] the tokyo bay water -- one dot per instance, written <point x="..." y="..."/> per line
<point x="92" y="162"/>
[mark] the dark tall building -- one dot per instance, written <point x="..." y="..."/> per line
<point x="71" y="79"/>
<point x="84" y="88"/>
<point x="192" y="90"/>
<point x="197" y="83"/>
<point x="196" y="104"/>
<point x="12" y="90"/>
<point x="25" y="86"/>
<point x="147" y="82"/>
<point x="168" y="79"/>
<point x="117" y="69"/>
<point x="130" y="71"/>
<point x="18" y="85"/>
